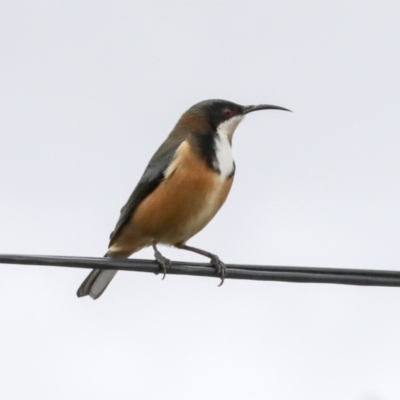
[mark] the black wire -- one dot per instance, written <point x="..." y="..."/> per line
<point x="342" y="276"/>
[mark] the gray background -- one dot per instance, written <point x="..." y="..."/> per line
<point x="88" y="90"/>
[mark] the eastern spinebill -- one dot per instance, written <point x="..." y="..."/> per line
<point x="184" y="185"/>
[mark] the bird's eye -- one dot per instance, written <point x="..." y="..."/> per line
<point x="228" y="112"/>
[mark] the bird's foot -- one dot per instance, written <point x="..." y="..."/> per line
<point x="220" y="268"/>
<point x="164" y="263"/>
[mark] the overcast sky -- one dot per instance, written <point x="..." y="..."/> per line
<point x="88" y="90"/>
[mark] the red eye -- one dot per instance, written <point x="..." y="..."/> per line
<point x="228" y="113"/>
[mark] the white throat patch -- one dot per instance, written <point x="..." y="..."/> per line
<point x="223" y="148"/>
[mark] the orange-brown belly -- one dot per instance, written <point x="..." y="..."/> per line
<point x="182" y="205"/>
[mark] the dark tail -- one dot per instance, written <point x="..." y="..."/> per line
<point x="96" y="283"/>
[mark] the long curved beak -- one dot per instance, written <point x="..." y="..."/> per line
<point x="248" y="109"/>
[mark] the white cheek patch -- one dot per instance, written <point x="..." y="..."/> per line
<point x="227" y="127"/>
<point x="223" y="148"/>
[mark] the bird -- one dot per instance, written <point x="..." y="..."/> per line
<point x="182" y="188"/>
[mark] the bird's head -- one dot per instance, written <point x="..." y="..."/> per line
<point x="220" y="116"/>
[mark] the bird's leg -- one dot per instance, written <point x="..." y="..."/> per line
<point x="220" y="267"/>
<point x="164" y="263"/>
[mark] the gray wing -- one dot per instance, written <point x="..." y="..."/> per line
<point x="152" y="177"/>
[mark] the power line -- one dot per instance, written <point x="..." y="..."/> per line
<point x="364" y="277"/>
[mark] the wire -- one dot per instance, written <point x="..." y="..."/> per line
<point x="364" y="277"/>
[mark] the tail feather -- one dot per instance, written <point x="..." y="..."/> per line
<point x="96" y="283"/>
